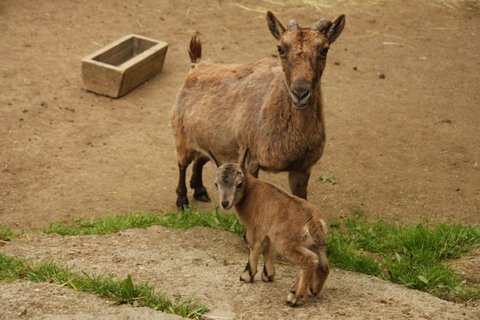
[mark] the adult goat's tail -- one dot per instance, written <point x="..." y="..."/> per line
<point x="195" y="49"/>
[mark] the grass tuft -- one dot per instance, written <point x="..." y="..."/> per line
<point x="6" y="234"/>
<point x="215" y="220"/>
<point x="122" y="291"/>
<point x="413" y="256"/>
<point x="179" y="220"/>
<point x="104" y="225"/>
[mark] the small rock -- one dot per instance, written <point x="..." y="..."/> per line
<point x="355" y="69"/>
<point x="381" y="76"/>
<point x="337" y="63"/>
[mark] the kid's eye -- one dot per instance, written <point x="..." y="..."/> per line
<point x="281" y="51"/>
<point x="239" y="186"/>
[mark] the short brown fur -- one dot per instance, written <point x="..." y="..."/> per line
<point x="276" y="221"/>
<point x="273" y="109"/>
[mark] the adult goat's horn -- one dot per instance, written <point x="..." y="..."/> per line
<point x="292" y="25"/>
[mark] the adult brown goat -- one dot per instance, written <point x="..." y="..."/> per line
<point x="272" y="109"/>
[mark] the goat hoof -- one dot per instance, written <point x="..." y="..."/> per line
<point x="203" y="197"/>
<point x="201" y="194"/>
<point x="266" y="278"/>
<point x="182" y="204"/>
<point x="245" y="277"/>
<point x="292" y="300"/>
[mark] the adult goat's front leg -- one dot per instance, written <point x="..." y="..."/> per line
<point x="298" y="181"/>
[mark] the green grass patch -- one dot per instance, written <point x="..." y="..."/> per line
<point x="122" y="291"/>
<point x="226" y="221"/>
<point x="104" y="225"/>
<point x="6" y="234"/>
<point x="327" y="179"/>
<point x="180" y="220"/>
<point x="414" y="256"/>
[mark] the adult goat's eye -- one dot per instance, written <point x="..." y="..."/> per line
<point x="281" y="51"/>
<point x="239" y="186"/>
<point x="324" y="52"/>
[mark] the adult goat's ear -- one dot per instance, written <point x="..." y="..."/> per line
<point x="217" y="164"/>
<point x="276" y="28"/>
<point x="336" y="28"/>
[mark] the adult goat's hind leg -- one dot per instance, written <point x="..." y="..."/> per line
<point x="184" y="158"/>
<point x="196" y="182"/>
<point x="298" y="181"/>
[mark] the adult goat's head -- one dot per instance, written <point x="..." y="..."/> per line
<point x="303" y="53"/>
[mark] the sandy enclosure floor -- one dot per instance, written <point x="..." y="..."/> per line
<point x="207" y="263"/>
<point x="403" y="148"/>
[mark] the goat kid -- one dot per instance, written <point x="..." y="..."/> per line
<point x="273" y="108"/>
<point x="276" y="221"/>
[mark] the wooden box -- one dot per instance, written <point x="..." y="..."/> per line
<point x="123" y="65"/>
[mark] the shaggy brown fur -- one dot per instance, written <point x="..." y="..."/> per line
<point x="276" y="221"/>
<point x="273" y="109"/>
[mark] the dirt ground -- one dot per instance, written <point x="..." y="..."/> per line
<point x="404" y="148"/>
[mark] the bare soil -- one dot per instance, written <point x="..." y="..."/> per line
<point x="401" y="94"/>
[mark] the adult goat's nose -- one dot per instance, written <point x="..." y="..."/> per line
<point x="300" y="93"/>
<point x="225" y="204"/>
<point x="300" y="96"/>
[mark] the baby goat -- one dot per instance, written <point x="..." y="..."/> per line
<point x="276" y="221"/>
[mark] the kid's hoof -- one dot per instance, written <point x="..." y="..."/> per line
<point x="201" y="195"/>
<point x="266" y="278"/>
<point x="245" y="277"/>
<point x="292" y="300"/>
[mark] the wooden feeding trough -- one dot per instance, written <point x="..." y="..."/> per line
<point x="123" y="65"/>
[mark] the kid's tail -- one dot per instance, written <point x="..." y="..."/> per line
<point x="195" y="50"/>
